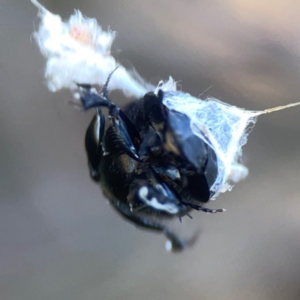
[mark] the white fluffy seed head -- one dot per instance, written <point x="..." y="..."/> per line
<point x="78" y="51"/>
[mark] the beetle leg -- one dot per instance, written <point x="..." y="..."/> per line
<point x="128" y="137"/>
<point x="174" y="243"/>
<point x="204" y="209"/>
<point x="160" y="198"/>
<point x="93" y="144"/>
<point x="125" y="132"/>
<point x="90" y="98"/>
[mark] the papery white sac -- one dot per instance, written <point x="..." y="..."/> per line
<point x="222" y="127"/>
<point x="78" y="51"/>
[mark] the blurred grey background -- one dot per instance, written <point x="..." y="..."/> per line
<point x="58" y="237"/>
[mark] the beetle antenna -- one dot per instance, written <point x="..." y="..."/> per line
<point x="104" y="91"/>
<point x="189" y="216"/>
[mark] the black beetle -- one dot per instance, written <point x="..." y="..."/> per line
<point x="149" y="163"/>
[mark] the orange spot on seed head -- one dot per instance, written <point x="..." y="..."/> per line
<point x="82" y="35"/>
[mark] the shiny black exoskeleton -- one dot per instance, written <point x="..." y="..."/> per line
<point x="149" y="163"/>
